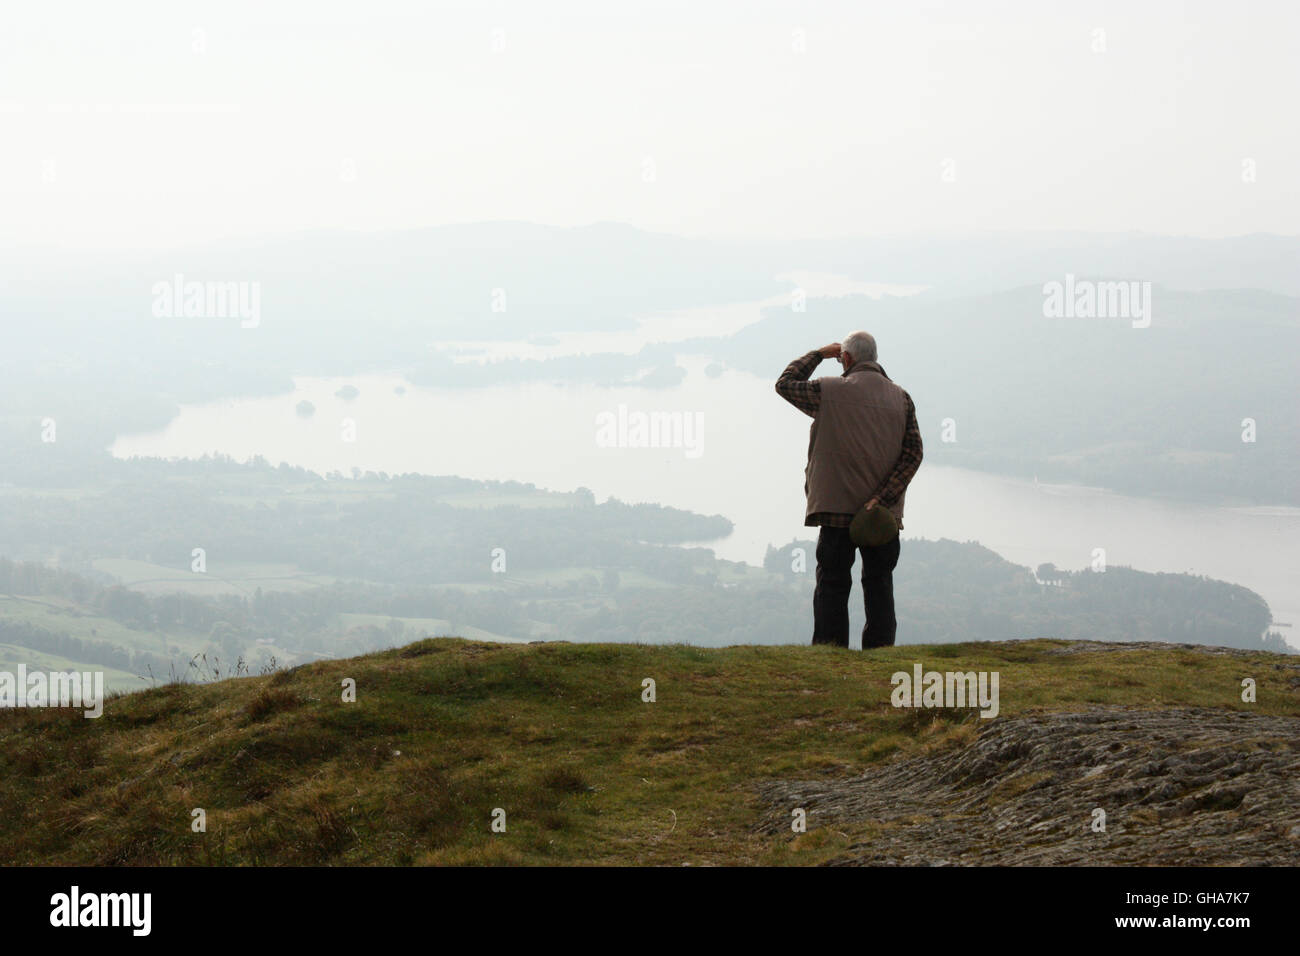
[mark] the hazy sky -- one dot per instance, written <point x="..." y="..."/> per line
<point x="147" y="124"/>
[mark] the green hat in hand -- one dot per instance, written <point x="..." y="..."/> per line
<point x="873" y="527"/>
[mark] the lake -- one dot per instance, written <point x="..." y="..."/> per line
<point x="737" y="450"/>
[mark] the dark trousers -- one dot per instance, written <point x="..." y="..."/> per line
<point x="835" y="553"/>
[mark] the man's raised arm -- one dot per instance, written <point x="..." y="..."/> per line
<point x="793" y="385"/>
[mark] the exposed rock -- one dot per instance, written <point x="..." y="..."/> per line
<point x="1178" y="787"/>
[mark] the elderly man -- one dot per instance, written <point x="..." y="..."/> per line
<point x="863" y="449"/>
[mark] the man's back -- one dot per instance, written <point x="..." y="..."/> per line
<point x="855" y="440"/>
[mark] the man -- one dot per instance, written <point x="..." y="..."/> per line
<point x="863" y="449"/>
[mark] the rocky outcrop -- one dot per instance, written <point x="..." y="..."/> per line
<point x="1187" y="786"/>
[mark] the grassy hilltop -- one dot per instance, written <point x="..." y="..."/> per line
<point x="445" y="730"/>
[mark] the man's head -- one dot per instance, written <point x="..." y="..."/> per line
<point x="857" y="347"/>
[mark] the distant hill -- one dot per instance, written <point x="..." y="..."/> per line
<point x="953" y="591"/>
<point x="1189" y="407"/>
<point x="557" y="742"/>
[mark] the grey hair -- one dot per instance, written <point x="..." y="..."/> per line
<point x="861" y="345"/>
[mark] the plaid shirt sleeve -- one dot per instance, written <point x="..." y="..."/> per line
<point x="794" y="387"/>
<point x="909" y="459"/>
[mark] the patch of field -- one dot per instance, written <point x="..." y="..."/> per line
<point x="220" y="578"/>
<point x="67" y="617"/>
<point x="254" y="489"/>
<point x="432" y="625"/>
<point x="63" y="493"/>
<point x="538" y="499"/>
<point x="114" y="680"/>
<point x="559" y="577"/>
<point x="627" y="577"/>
